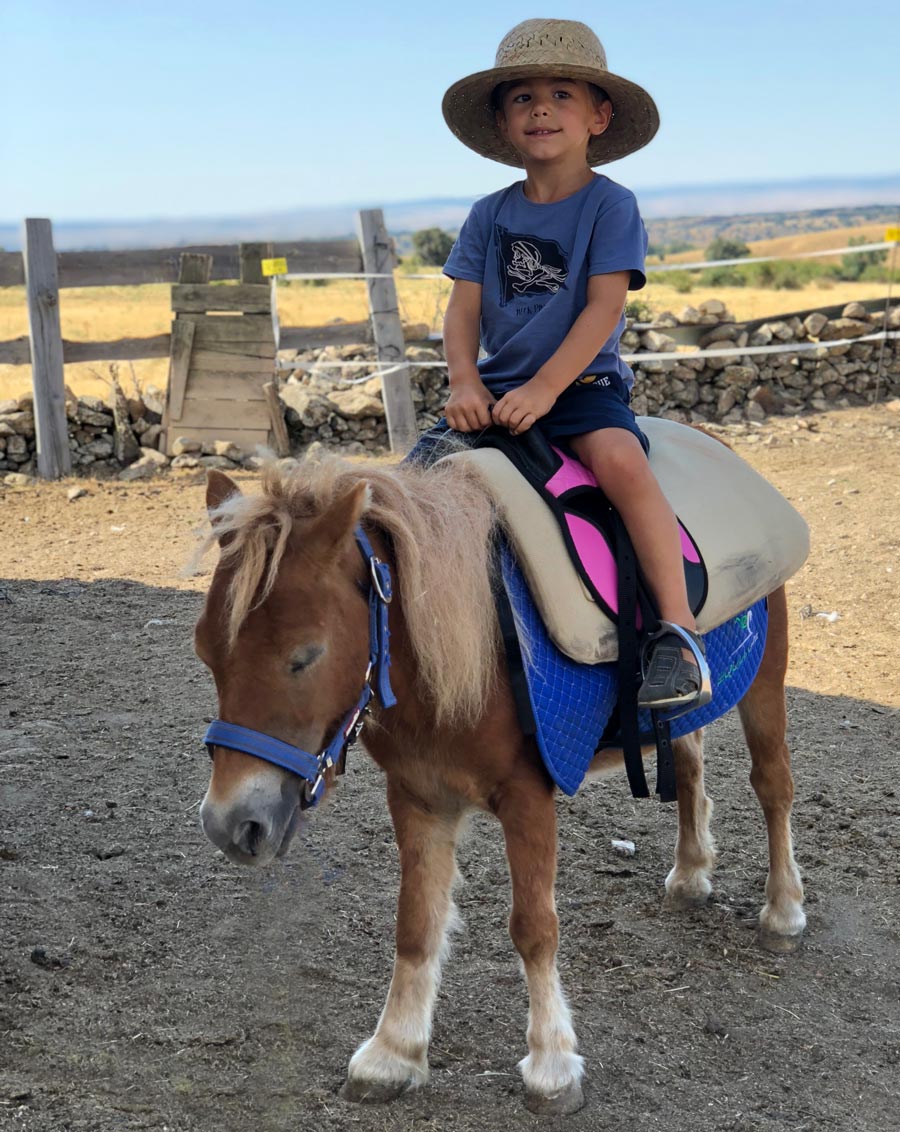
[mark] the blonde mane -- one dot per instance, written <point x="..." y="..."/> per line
<point x="439" y="523"/>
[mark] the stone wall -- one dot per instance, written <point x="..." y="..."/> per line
<point x="342" y="407"/>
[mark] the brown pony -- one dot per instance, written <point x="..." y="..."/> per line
<point x="285" y="631"/>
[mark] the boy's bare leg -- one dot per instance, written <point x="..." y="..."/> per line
<point x="621" y="468"/>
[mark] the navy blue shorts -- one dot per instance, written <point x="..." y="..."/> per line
<point x="584" y="408"/>
<point x="580" y="408"/>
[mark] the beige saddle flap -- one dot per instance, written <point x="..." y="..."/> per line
<point x="752" y="540"/>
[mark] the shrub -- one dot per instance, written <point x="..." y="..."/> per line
<point x="638" y="310"/>
<point x="432" y="246"/>
<point x="723" y="248"/>
<point x="722" y="277"/>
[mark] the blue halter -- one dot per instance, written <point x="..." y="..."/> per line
<point x="309" y="767"/>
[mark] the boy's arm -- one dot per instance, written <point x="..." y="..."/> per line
<point x="468" y="407"/>
<point x="606" y="295"/>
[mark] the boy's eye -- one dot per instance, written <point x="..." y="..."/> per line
<point x="521" y="97"/>
<point x="561" y="94"/>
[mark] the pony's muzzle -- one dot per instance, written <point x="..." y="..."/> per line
<point x="253" y="827"/>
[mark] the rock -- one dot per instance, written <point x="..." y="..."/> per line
<point x="690" y="316"/>
<point x="765" y="396"/>
<point x="229" y="450"/>
<point x="726" y="332"/>
<point x="17" y="479"/>
<point x="8" y="406"/>
<point x="183" y="446"/>
<point x="657" y="343"/>
<point x="185" y="461"/>
<point x="154" y="456"/>
<point x="893" y="406"/>
<point x="75" y="493"/>
<point x="21" y="423"/>
<point x="93" y="417"/>
<point x="125" y="442"/>
<point x="813" y="323"/>
<point x="844" y="328"/>
<point x="102" y="449"/>
<point x="137" y="471"/>
<point x="356" y="404"/>
<point x="312" y="408"/>
<point x="726" y="402"/>
<point x="740" y="375"/>
<point x="855" y="310"/>
<point x="712" y="306"/>
<point x="221" y="462"/>
<point x="150" y="436"/>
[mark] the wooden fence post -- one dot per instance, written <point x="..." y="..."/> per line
<point x="378" y="258"/>
<point x="54" y="458"/>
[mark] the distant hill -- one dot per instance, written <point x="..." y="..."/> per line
<point x="691" y="214"/>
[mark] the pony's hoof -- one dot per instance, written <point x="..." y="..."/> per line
<point x="566" y="1101"/>
<point x="686" y="899"/>
<point x="779" y="944"/>
<point x="371" y="1092"/>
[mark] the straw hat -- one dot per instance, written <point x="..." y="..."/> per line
<point x="555" y="49"/>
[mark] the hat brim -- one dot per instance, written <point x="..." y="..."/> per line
<point x="469" y="112"/>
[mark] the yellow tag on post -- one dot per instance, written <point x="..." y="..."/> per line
<point x="274" y="266"/>
<point x="892" y="236"/>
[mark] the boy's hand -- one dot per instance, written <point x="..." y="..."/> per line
<point x="468" y="407"/>
<point x="520" y="408"/>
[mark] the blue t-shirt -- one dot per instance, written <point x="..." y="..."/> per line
<point x="533" y="262"/>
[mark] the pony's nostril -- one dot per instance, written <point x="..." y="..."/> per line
<point x="248" y="836"/>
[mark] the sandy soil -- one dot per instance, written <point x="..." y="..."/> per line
<point x="145" y="983"/>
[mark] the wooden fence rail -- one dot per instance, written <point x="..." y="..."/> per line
<point x="44" y="272"/>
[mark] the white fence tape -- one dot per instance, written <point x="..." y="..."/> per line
<point x="652" y="268"/>
<point x="679" y="356"/>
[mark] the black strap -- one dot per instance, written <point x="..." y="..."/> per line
<point x="626" y="566"/>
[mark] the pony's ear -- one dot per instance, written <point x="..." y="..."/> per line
<point x="337" y="524"/>
<point x="218" y="488"/>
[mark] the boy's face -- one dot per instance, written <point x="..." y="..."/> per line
<point x="551" y="119"/>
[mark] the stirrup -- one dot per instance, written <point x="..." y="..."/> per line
<point x="680" y="701"/>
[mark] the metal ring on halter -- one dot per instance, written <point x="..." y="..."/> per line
<point x="690" y="641"/>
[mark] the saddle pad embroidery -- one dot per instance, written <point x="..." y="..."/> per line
<point x="572" y="702"/>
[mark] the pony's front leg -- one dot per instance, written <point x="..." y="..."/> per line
<point x="395" y="1058"/>
<point x="552" y="1070"/>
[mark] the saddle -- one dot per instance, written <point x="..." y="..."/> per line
<point x="740" y="537"/>
<point x="580" y="568"/>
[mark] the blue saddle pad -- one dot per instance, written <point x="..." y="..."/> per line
<point x="572" y="702"/>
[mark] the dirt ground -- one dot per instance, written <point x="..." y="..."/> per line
<point x="146" y="983"/>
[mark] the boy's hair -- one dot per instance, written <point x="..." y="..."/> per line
<point x="598" y="94"/>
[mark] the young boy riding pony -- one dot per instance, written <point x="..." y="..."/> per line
<point x="541" y="271"/>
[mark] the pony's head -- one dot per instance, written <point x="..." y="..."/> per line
<point x="285" y="633"/>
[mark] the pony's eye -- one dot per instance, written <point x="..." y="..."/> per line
<point x="305" y="657"/>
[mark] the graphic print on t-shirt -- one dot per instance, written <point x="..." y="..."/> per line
<point x="528" y="265"/>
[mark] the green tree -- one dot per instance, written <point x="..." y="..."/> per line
<point x="723" y="248"/>
<point x="432" y="246"/>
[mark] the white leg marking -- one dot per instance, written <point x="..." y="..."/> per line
<point x="552" y="1063"/>
<point x="397" y="1053"/>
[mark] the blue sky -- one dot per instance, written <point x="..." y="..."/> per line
<point x="138" y="110"/>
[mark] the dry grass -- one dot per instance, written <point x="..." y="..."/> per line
<point x="107" y="313"/>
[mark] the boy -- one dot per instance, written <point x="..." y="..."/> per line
<point x="541" y="272"/>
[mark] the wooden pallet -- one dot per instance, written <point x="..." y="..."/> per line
<point x="222" y="357"/>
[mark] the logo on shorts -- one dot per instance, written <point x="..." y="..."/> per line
<point x="528" y="265"/>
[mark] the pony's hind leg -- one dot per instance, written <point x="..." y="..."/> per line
<point x="552" y="1070"/>
<point x="764" y="718"/>
<point x="396" y="1056"/>
<point x="689" y="883"/>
